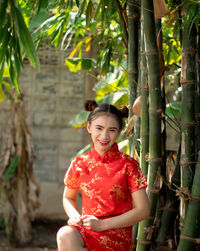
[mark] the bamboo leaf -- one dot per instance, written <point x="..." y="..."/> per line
<point x="7" y="85"/>
<point x="1" y="70"/>
<point x="42" y="4"/>
<point x="88" y="64"/>
<point x="77" y="3"/>
<point x="75" y="64"/>
<point x="2" y="95"/>
<point x="39" y="18"/>
<point x="77" y="48"/>
<point x="11" y="169"/>
<point x="81" y="9"/>
<point x="12" y="72"/>
<point x="88" y="44"/>
<point x="26" y="39"/>
<point x="3" y="7"/>
<point x="89" y="11"/>
<point x="5" y="42"/>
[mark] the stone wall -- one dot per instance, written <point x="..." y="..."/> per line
<point x="52" y="97"/>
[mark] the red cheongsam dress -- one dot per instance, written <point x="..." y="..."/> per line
<point x="106" y="183"/>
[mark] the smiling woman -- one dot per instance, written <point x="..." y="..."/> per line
<point x="112" y="186"/>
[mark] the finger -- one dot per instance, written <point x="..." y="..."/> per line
<point x="86" y="220"/>
<point x="84" y="217"/>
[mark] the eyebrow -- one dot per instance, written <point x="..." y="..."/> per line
<point x="109" y="127"/>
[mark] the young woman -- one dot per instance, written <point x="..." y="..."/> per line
<point x="112" y="187"/>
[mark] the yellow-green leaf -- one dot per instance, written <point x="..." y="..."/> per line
<point x="2" y="95"/>
<point x="26" y="39"/>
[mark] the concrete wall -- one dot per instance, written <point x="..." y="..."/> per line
<point x="52" y="97"/>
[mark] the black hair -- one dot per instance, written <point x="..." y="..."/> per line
<point x="95" y="110"/>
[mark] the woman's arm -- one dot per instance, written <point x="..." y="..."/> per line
<point x="70" y="206"/>
<point x="139" y="212"/>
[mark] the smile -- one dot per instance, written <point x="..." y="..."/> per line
<point x="103" y="143"/>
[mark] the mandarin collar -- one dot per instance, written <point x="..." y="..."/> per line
<point x="111" y="154"/>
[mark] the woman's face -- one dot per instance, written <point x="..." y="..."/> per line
<point x="104" y="131"/>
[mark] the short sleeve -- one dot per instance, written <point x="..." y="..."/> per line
<point x="135" y="176"/>
<point x="71" y="178"/>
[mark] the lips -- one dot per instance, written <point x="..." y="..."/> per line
<point x="103" y="143"/>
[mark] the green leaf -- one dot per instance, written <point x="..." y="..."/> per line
<point x="108" y="79"/>
<point x="88" y="63"/>
<point x="81" y="9"/>
<point x="80" y="119"/>
<point x="173" y="109"/>
<point x="75" y="64"/>
<point x="112" y="97"/>
<point x="26" y="39"/>
<point x="89" y="11"/>
<point x="42" y="4"/>
<point x="77" y="3"/>
<point x="12" y="72"/>
<point x="11" y="169"/>
<point x="1" y="71"/>
<point x="5" y="42"/>
<point x="2" y="95"/>
<point x="39" y="18"/>
<point x="3" y="7"/>
<point x="8" y="87"/>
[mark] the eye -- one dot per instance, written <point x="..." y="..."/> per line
<point x="112" y="130"/>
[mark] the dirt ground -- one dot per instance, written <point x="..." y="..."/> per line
<point x="44" y="237"/>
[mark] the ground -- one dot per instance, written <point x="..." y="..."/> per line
<point x="44" y="237"/>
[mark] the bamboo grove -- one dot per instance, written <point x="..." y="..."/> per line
<point x="143" y="47"/>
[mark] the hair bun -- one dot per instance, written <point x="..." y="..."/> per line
<point x="90" y="105"/>
<point x="124" y="111"/>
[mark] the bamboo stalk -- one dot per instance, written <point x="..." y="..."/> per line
<point x="188" y="81"/>
<point x="151" y="52"/>
<point x="190" y="232"/>
<point x="133" y="18"/>
<point x="144" y="129"/>
<point x="171" y="207"/>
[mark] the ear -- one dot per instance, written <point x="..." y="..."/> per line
<point x="88" y="127"/>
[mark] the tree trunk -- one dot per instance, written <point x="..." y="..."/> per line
<point x="146" y="226"/>
<point x="20" y="188"/>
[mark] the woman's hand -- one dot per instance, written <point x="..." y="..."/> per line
<point x="93" y="223"/>
<point x="75" y="221"/>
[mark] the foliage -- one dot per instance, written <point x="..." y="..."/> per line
<point x="15" y="41"/>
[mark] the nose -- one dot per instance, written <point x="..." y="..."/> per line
<point x="105" y="134"/>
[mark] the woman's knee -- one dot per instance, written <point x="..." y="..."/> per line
<point x="64" y="234"/>
<point x="67" y="236"/>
